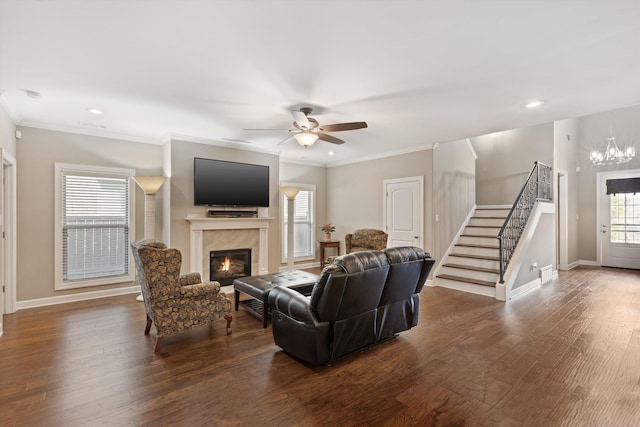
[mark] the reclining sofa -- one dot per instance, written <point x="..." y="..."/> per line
<point x="361" y="299"/>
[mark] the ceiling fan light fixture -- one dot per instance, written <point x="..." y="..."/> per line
<point x="306" y="139"/>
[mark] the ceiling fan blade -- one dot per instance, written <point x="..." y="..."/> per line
<point x="300" y="118"/>
<point x="329" y="138"/>
<point x="343" y="126"/>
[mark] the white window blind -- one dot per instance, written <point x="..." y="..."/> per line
<point x="95" y="220"/>
<point x="303" y="225"/>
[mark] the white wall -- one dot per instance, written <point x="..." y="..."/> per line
<point x="181" y="190"/>
<point x="454" y="191"/>
<point x="37" y="152"/>
<point x="566" y="159"/>
<point x="7" y="132"/>
<point x="306" y="174"/>
<point x="593" y="132"/>
<point x="505" y="160"/>
<point x="354" y="192"/>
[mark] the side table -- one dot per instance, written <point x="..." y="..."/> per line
<point x="324" y="244"/>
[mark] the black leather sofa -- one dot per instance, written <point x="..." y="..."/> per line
<point x="359" y="300"/>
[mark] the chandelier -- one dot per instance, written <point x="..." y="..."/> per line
<point x="612" y="155"/>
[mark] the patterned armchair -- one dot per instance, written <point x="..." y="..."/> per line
<point x="173" y="302"/>
<point x="366" y="239"/>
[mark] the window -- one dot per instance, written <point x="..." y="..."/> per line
<point x="625" y="218"/>
<point x="93" y="225"/>
<point x="303" y="223"/>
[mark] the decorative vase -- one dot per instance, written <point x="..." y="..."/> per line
<point x="327" y="236"/>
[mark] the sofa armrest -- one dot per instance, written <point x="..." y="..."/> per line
<point x="210" y="289"/>
<point x="190" y="279"/>
<point x="292" y="303"/>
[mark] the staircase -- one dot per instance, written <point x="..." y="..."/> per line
<point x="473" y="265"/>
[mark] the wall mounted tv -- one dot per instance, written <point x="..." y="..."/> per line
<point x="222" y="183"/>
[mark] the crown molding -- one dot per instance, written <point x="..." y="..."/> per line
<point x="383" y="155"/>
<point x="91" y="132"/>
<point x="226" y="144"/>
<point x="9" y="111"/>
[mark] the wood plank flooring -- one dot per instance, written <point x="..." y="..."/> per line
<point x="567" y="354"/>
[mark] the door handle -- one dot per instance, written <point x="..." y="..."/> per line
<point x="415" y="237"/>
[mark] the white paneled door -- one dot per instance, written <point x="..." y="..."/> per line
<point x="618" y="223"/>
<point x="403" y="211"/>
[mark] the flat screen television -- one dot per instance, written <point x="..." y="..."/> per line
<point x="222" y="183"/>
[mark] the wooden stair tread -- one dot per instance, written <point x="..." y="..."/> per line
<point x="477" y="246"/>
<point x="473" y="268"/>
<point x="478" y="235"/>
<point x="466" y="280"/>
<point x="488" y="217"/>
<point x="488" y="258"/>
<point x="484" y="226"/>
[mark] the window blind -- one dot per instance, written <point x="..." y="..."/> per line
<point x="95" y="226"/>
<point x="623" y="186"/>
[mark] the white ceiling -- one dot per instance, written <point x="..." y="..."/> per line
<point x="418" y="72"/>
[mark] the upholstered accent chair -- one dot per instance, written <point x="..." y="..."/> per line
<point x="366" y="239"/>
<point x="175" y="303"/>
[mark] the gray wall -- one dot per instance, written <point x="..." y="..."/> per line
<point x="566" y="159"/>
<point x="454" y="191"/>
<point x="505" y="160"/>
<point x="37" y="152"/>
<point x="593" y="132"/>
<point x="354" y="198"/>
<point x="7" y="132"/>
<point x="181" y="190"/>
<point x="306" y="174"/>
<point x="541" y="250"/>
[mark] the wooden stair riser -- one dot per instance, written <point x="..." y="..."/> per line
<point x="502" y="213"/>
<point x="492" y="222"/>
<point x="473" y="262"/>
<point x="484" y="231"/>
<point x="470" y="274"/>
<point x="476" y="251"/>
<point x="483" y="241"/>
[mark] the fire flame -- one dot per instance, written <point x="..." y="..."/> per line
<point x="226" y="264"/>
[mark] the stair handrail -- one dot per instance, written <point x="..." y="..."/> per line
<point x="536" y="188"/>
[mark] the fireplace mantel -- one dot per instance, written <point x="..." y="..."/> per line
<point x="198" y="224"/>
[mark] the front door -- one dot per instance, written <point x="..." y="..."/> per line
<point x="403" y="211"/>
<point x="618" y="223"/>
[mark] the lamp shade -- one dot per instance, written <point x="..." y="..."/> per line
<point x="306" y="139"/>
<point x="150" y="184"/>
<point x="290" y="192"/>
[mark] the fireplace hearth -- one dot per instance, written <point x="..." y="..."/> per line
<point x="226" y="265"/>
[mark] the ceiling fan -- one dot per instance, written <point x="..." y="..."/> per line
<point x="307" y="130"/>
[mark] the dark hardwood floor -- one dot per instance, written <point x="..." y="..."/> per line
<point x="565" y="354"/>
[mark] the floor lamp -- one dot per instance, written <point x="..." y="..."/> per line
<point x="150" y="185"/>
<point x="291" y="193"/>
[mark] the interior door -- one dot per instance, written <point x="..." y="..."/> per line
<point x="618" y="223"/>
<point x="404" y="211"/>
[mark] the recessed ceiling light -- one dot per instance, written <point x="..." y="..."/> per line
<point x="331" y="153"/>
<point x="95" y="111"/>
<point x="533" y="104"/>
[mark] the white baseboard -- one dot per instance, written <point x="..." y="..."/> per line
<point x="536" y="283"/>
<point x="589" y="263"/>
<point x="41" y="302"/>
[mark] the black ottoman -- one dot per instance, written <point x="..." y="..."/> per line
<point x="258" y="287"/>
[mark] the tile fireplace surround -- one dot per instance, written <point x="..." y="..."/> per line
<point x="207" y="234"/>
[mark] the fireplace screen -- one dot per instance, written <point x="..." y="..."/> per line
<point x="229" y="264"/>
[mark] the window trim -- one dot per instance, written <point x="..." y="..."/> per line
<point x="283" y="206"/>
<point x="59" y="283"/>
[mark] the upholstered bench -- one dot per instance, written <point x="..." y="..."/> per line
<point x="258" y="287"/>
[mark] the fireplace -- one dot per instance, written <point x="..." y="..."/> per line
<point x="229" y="264"/>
